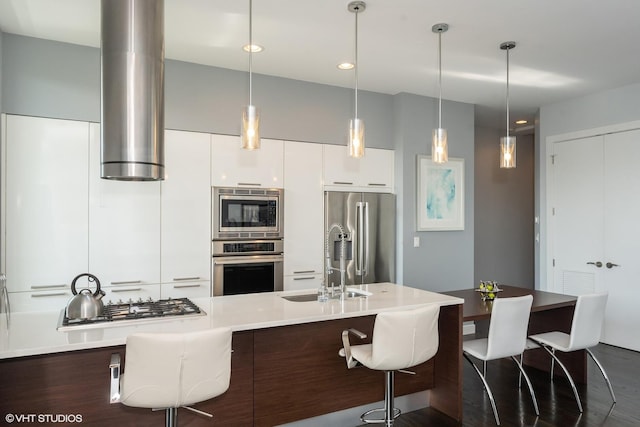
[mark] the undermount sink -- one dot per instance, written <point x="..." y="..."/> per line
<point x="351" y="293"/>
<point x="301" y="298"/>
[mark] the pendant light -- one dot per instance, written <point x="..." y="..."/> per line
<point x="250" y="116"/>
<point x="439" y="148"/>
<point x="356" y="125"/>
<point x="508" y="143"/>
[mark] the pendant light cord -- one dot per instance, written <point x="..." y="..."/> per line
<point x="508" y="49"/>
<point x="250" y="51"/>
<point x="440" y="79"/>
<point x="356" y="67"/>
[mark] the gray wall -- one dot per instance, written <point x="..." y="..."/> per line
<point x="620" y="105"/>
<point x="52" y="79"/>
<point x="444" y="260"/>
<point x="61" y="80"/>
<point x="504" y="212"/>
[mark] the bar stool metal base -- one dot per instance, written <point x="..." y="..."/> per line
<point x="171" y="417"/>
<point x="390" y="413"/>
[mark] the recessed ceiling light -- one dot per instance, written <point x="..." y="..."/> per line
<point x="346" y="66"/>
<point x="253" y="48"/>
<point x="521" y="122"/>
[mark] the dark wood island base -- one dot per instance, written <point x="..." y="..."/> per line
<point x="279" y="375"/>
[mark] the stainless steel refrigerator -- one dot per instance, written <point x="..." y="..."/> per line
<point x="367" y="224"/>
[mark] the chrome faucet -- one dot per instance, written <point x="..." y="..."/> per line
<point x="343" y="269"/>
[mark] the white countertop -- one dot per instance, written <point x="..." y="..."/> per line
<point x="33" y="333"/>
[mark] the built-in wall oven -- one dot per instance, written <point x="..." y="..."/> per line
<point x="247" y="244"/>
<point x="244" y="266"/>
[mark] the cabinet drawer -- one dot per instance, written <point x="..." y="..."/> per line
<point x="302" y="281"/>
<point x="39" y="301"/>
<point x="124" y="293"/>
<point x="185" y="289"/>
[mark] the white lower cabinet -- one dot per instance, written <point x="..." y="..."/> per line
<point x="186" y="289"/>
<point x="40" y="300"/>
<point x="124" y="226"/>
<point x="303" y="281"/>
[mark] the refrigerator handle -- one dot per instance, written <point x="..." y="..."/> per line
<point x="365" y="240"/>
<point x="359" y="238"/>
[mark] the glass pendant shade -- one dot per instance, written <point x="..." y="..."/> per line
<point x="250" y="128"/>
<point x="439" y="149"/>
<point x="508" y="152"/>
<point x="356" y="138"/>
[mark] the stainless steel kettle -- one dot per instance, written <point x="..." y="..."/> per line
<point x="85" y="304"/>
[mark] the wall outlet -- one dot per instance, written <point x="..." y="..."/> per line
<point x="416" y="242"/>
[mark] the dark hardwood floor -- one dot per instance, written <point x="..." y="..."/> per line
<point x="555" y="399"/>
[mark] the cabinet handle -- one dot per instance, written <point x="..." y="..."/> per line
<point x="48" y="286"/>
<point x="342" y="183"/>
<point x="126" y="290"/>
<point x="179" y="279"/>
<point x="375" y="184"/>
<point x="185" y="286"/>
<point x="127" y="282"/>
<point x="249" y="184"/>
<point x="304" y="278"/>
<point x="304" y="272"/>
<point x="50" y="294"/>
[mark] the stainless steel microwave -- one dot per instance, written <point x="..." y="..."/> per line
<point x="248" y="213"/>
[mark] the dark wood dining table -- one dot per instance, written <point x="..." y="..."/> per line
<point x="549" y="312"/>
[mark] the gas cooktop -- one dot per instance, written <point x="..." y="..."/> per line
<point x="120" y="312"/>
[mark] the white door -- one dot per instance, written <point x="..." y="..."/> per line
<point x="622" y="241"/>
<point x="577" y="215"/>
<point x="594" y="227"/>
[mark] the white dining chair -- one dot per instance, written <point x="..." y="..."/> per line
<point x="172" y="370"/>
<point x="401" y="340"/>
<point x="586" y="328"/>
<point x="507" y="338"/>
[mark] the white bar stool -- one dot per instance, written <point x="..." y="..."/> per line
<point x="401" y="340"/>
<point x="172" y="370"/>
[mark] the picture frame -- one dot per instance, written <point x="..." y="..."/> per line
<point x="439" y="194"/>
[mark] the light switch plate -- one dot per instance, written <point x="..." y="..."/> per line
<point x="416" y="242"/>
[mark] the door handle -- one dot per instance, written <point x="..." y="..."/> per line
<point x="597" y="264"/>
<point x="610" y="265"/>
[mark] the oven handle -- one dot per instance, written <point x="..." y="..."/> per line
<point x="247" y="259"/>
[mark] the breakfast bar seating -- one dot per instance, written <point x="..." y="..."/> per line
<point x="401" y="340"/>
<point x="284" y="366"/>
<point x="171" y="371"/>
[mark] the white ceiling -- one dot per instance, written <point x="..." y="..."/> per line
<point x="565" y="48"/>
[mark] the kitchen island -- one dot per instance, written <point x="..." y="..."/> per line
<point x="285" y="365"/>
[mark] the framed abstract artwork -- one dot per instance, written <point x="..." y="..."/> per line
<point x="440" y="195"/>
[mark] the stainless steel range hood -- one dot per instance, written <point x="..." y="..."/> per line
<point x="132" y="113"/>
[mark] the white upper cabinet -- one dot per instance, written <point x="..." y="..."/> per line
<point x="231" y="166"/>
<point x="45" y="218"/>
<point x="373" y="172"/>
<point x="186" y="211"/>
<point x="304" y="214"/>
<point x="124" y="226"/>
